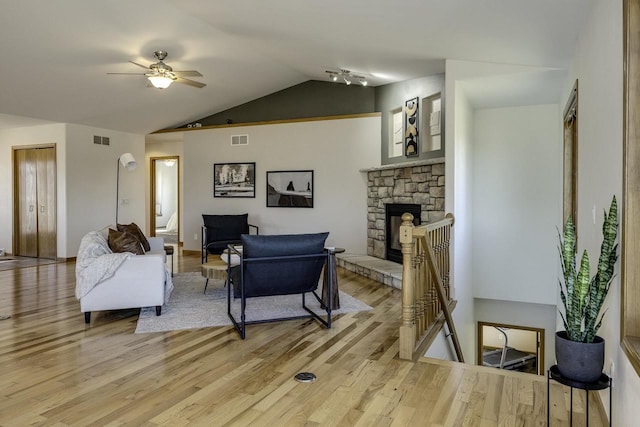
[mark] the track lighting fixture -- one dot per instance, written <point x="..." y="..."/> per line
<point x="347" y="77"/>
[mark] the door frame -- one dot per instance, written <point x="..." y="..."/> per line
<point x="539" y="347"/>
<point x="15" y="189"/>
<point x="152" y="198"/>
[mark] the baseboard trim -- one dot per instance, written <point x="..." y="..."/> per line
<point x="600" y="405"/>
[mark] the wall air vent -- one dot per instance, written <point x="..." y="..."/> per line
<point x="101" y="140"/>
<point x="239" y="139"/>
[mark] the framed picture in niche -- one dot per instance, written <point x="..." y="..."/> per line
<point x="236" y="180"/>
<point x="290" y="189"/>
<point x="411" y="128"/>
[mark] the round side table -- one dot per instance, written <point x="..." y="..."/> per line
<point x="214" y="269"/>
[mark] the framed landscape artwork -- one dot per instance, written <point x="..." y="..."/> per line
<point x="235" y="180"/>
<point x="290" y="189"/>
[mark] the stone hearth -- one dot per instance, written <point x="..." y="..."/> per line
<point x="421" y="184"/>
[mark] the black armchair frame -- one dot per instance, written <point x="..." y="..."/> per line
<point x="240" y="325"/>
<point x="207" y="245"/>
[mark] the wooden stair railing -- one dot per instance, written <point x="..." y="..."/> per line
<point x="425" y="285"/>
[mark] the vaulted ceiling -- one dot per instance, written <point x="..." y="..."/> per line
<point x="54" y="55"/>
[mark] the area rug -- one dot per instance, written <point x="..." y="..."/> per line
<point x="189" y="308"/>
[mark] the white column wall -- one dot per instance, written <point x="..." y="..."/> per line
<point x="598" y="67"/>
<point x="458" y="196"/>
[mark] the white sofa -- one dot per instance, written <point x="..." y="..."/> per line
<point x="112" y="281"/>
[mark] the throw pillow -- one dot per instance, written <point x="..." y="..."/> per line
<point x="135" y="230"/>
<point x="121" y="241"/>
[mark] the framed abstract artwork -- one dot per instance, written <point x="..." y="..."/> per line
<point x="411" y="128"/>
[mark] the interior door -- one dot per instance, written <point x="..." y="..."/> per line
<point x="46" y="196"/>
<point x="26" y="203"/>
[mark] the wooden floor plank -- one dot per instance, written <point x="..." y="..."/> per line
<point x="56" y="370"/>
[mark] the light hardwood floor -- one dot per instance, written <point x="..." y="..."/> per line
<point x="55" y="370"/>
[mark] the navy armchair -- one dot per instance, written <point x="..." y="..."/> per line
<point x="277" y="265"/>
<point x="219" y="231"/>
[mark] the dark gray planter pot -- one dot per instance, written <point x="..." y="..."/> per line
<point x="579" y="361"/>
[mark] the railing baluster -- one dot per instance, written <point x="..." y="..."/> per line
<point x="426" y="288"/>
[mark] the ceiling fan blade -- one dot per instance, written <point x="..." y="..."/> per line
<point x="188" y="73"/>
<point x="189" y="82"/>
<point x="130" y="74"/>
<point x="139" y="65"/>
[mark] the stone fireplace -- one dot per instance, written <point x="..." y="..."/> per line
<point x="416" y="183"/>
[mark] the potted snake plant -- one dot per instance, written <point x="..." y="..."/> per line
<point x="579" y="351"/>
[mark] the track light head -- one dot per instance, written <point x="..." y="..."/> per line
<point x="346" y="76"/>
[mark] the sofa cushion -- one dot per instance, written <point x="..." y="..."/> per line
<point x="122" y="241"/>
<point x="135" y="230"/>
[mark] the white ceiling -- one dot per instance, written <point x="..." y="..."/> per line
<point x="54" y="55"/>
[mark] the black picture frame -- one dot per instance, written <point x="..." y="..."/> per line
<point x="234" y="180"/>
<point x="290" y="189"/>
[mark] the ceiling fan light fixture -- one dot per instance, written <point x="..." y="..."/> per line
<point x="160" y="82"/>
<point x="347" y="80"/>
<point x="363" y="82"/>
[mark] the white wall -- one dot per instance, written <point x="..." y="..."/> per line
<point x="91" y="182"/>
<point x="334" y="149"/>
<point x="458" y="192"/>
<point x="34" y="135"/>
<point x="517" y="194"/>
<point x="598" y="68"/>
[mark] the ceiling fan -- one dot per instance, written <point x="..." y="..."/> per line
<point x="161" y="75"/>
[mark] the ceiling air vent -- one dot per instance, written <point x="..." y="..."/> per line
<point x="239" y="139"/>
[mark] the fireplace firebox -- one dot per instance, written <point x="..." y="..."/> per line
<point x="393" y="220"/>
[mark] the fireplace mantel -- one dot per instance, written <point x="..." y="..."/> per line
<point x="405" y="165"/>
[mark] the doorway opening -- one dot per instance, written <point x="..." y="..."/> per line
<point x="510" y="347"/>
<point x="165" y="199"/>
